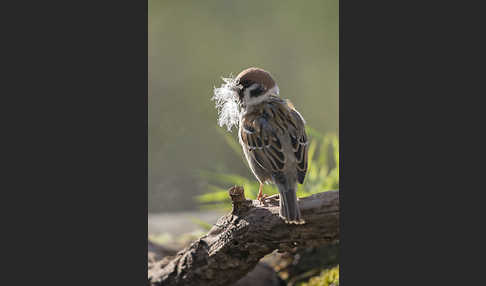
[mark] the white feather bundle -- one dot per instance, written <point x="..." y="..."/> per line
<point x="227" y="103"/>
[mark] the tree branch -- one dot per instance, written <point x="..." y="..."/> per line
<point x="241" y="238"/>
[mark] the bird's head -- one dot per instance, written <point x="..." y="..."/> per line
<point x="250" y="87"/>
<point x="254" y="85"/>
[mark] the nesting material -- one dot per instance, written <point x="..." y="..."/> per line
<point x="227" y="103"/>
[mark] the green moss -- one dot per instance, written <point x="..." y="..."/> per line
<point x="328" y="277"/>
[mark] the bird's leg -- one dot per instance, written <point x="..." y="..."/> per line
<point x="261" y="196"/>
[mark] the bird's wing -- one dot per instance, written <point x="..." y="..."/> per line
<point x="299" y="142"/>
<point x="261" y="135"/>
<point x="263" y="143"/>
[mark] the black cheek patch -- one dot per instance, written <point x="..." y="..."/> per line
<point x="257" y="91"/>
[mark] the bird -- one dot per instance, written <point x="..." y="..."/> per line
<point x="272" y="135"/>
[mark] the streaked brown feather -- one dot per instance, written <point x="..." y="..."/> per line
<point x="300" y="145"/>
<point x="260" y="134"/>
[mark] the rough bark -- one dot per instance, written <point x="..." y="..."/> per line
<point x="241" y="238"/>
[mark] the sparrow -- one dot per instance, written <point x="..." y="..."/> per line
<point x="271" y="133"/>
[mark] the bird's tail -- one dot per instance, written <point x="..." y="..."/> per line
<point x="289" y="208"/>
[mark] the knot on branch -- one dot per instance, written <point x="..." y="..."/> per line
<point x="237" y="194"/>
<point x="240" y="203"/>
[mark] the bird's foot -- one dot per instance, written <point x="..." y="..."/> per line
<point x="265" y="198"/>
<point x="261" y="198"/>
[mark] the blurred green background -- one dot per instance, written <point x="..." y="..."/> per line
<point x="192" y="44"/>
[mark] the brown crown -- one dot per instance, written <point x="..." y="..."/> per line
<point x="255" y="75"/>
